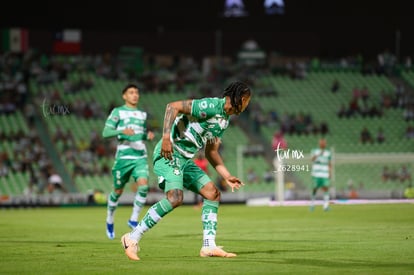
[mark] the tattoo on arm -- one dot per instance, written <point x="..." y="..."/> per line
<point x="186" y="105"/>
<point x="171" y="113"/>
<point x="168" y="119"/>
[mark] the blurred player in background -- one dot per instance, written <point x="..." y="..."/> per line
<point x="129" y="125"/>
<point x="190" y="125"/>
<point x="321" y="173"/>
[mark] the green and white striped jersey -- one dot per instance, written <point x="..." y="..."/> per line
<point x="129" y="147"/>
<point x="320" y="166"/>
<point x="208" y="120"/>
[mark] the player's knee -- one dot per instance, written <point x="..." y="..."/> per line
<point x="216" y="195"/>
<point x="175" y="197"/>
<point x="143" y="188"/>
<point x="210" y="192"/>
<point x="142" y="182"/>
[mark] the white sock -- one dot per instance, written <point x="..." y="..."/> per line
<point x="326" y="200"/>
<point x="139" y="202"/>
<point x="152" y="216"/>
<point x="138" y="232"/>
<point x="209" y="232"/>
<point x="111" y="211"/>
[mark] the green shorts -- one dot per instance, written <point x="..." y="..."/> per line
<point x="178" y="173"/>
<point x="320" y="182"/>
<point x="124" y="169"/>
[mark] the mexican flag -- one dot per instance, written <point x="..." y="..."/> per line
<point x="15" y="40"/>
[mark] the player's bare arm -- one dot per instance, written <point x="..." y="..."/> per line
<point x="171" y="112"/>
<point x="213" y="156"/>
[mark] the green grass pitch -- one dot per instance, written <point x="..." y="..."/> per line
<point x="349" y="239"/>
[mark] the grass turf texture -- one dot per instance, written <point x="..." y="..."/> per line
<point x="349" y="239"/>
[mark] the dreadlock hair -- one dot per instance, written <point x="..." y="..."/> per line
<point x="236" y="90"/>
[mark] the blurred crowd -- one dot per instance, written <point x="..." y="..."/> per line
<point x="22" y="75"/>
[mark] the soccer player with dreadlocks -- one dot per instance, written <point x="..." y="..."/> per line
<point x="190" y="125"/>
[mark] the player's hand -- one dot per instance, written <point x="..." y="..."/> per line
<point x="128" y="132"/>
<point x="234" y="182"/>
<point x="166" y="148"/>
<point x="150" y="135"/>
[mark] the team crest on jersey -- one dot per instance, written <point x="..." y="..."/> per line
<point x="176" y="171"/>
<point x="115" y="118"/>
<point x="203" y="114"/>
